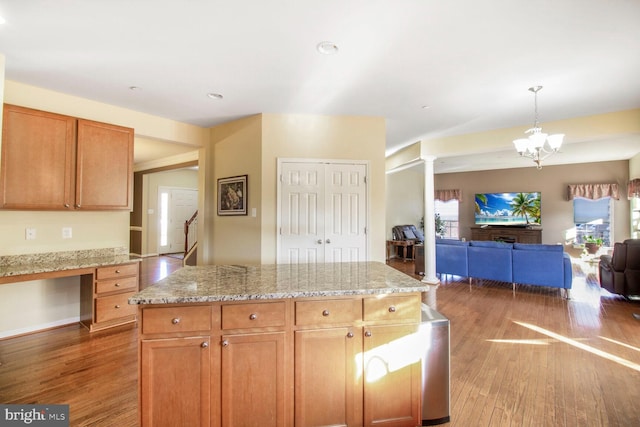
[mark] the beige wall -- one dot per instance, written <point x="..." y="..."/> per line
<point x="588" y="128"/>
<point x="405" y="198"/>
<point x="235" y="150"/>
<point x="323" y="137"/>
<point x="551" y="181"/>
<point x="253" y="145"/>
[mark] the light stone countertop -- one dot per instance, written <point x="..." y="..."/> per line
<point x="237" y="283"/>
<point x="17" y="265"/>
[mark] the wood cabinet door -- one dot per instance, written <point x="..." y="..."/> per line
<point x="328" y="380"/>
<point x="175" y="382"/>
<point x="38" y="159"/>
<point x="392" y="376"/>
<point x="253" y="380"/>
<point x="104" y="171"/>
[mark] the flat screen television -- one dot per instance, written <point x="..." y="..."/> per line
<point x="514" y="209"/>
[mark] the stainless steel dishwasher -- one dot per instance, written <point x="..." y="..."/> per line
<point x="435" y="367"/>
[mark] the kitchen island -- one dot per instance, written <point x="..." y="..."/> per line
<point x="281" y="345"/>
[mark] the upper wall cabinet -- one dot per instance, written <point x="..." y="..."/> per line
<point x="56" y="162"/>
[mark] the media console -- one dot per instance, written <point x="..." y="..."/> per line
<point x="507" y="234"/>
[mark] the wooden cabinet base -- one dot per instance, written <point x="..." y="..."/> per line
<point x="280" y="363"/>
<point x="104" y="296"/>
<point x="507" y="234"/>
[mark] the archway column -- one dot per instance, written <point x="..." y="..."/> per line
<point x="430" y="277"/>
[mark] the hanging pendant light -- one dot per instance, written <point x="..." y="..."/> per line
<point x="538" y="145"/>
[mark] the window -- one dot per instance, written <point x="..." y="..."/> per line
<point x="448" y="212"/>
<point x="593" y="218"/>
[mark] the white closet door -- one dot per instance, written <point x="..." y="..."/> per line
<point x="345" y="219"/>
<point x="302" y="213"/>
<point x="322" y="213"/>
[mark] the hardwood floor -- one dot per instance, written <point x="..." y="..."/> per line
<point x="523" y="358"/>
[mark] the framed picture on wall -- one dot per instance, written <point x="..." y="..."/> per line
<point x="232" y="195"/>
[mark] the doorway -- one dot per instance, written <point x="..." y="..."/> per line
<point x="175" y="207"/>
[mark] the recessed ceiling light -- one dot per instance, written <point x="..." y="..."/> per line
<point x="327" y="48"/>
<point x="426" y="107"/>
<point x="215" y="95"/>
<point x="134" y="88"/>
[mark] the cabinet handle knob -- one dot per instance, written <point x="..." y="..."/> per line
<point x="175" y="320"/>
<point x="117" y="285"/>
<point x="204" y="344"/>
<point x="78" y="206"/>
<point x="66" y="205"/>
<point x="392" y="309"/>
<point x="350" y="334"/>
<point x="117" y="271"/>
<point x="253" y="316"/>
<point x="325" y="313"/>
<point x="117" y="305"/>
<point x="225" y="343"/>
<point x="328" y="240"/>
<point x="319" y="241"/>
<point x="367" y="334"/>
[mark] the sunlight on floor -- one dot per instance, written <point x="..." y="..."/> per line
<point x="581" y="346"/>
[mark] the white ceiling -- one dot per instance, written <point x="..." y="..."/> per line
<point x="469" y="61"/>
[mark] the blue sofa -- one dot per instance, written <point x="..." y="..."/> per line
<point x="530" y="264"/>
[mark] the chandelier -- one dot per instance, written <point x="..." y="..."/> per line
<point x="538" y="145"/>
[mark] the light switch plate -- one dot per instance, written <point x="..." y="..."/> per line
<point x="30" y="233"/>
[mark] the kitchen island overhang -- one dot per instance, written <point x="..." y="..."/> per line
<point x="239" y="282"/>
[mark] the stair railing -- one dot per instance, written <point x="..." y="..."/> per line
<point x="190" y="233"/>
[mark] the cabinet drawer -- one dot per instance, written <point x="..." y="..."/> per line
<point x="112" y="285"/>
<point x="176" y="319"/>
<point x="114" y="271"/>
<point x="112" y="307"/>
<point x="392" y="307"/>
<point x="253" y="315"/>
<point x="328" y="312"/>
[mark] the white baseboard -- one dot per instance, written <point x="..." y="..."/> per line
<point x="35" y="328"/>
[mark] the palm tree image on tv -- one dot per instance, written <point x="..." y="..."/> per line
<point x="508" y="208"/>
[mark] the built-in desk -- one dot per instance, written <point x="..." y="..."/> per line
<point x="108" y="277"/>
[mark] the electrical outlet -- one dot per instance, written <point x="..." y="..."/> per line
<point x="66" y="232"/>
<point x="30" y="233"/>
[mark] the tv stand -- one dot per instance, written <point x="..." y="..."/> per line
<point x="507" y="234"/>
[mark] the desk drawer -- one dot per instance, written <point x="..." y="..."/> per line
<point x="113" y="307"/>
<point x="176" y="319"/>
<point x="114" y="271"/>
<point x="328" y="312"/>
<point x="405" y="308"/>
<point x="253" y="315"/>
<point x="113" y="285"/>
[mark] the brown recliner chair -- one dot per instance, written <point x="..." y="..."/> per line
<point x="620" y="272"/>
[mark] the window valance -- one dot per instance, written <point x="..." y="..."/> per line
<point x="446" y="195"/>
<point x="593" y="191"/>
<point x="634" y="188"/>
